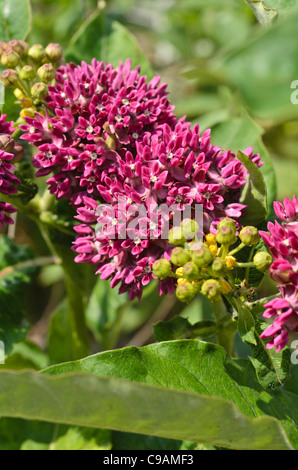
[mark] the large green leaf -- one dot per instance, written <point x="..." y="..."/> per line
<point x="106" y="40"/>
<point x="15" y="19"/>
<point x="192" y="367"/>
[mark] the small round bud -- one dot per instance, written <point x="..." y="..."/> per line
<point x="211" y="289"/>
<point x="210" y="239"/>
<point x="3" y="46"/>
<point x="225" y="286"/>
<point x="39" y="91"/>
<point x="227" y="222"/>
<point x="54" y="51"/>
<point x="230" y="262"/>
<point x="202" y="256"/>
<point x="225" y="235"/>
<point x="162" y="268"/>
<point x="189" y="229"/>
<point x="18" y="152"/>
<point x="27" y="73"/>
<point x="37" y="53"/>
<point x="19" y="46"/>
<point x="176" y="236"/>
<point x="6" y="143"/>
<point x="249" y="235"/>
<point x="218" y="267"/>
<point x="213" y="249"/>
<point x="185" y="291"/>
<point x="27" y="113"/>
<point x="262" y="261"/>
<point x="10" y="59"/>
<point x="46" y="73"/>
<point x="18" y="94"/>
<point x="190" y="271"/>
<point x="180" y="257"/>
<point x="9" y="78"/>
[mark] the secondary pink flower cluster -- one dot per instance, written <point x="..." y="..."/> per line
<point x="283" y="244"/>
<point x="7" y="178"/>
<point x="112" y="136"/>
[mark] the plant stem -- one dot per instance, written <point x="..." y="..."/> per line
<point x="32" y="263"/>
<point x="226" y="327"/>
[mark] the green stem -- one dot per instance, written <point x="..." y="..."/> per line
<point x="32" y="263"/>
<point x="238" y="248"/>
<point x="225" y="327"/>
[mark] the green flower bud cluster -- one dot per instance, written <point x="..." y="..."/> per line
<point x="206" y="267"/>
<point x="29" y="70"/>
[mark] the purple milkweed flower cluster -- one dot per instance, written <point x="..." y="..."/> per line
<point x="7" y="178"/>
<point x="282" y="241"/>
<point x="110" y="134"/>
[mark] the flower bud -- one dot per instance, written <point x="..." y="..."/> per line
<point x="9" y="78"/>
<point x="218" y="267"/>
<point x="39" y="91"/>
<point x="54" y="52"/>
<point x="18" y="152"/>
<point x="162" y="268"/>
<point x="249" y="235"/>
<point x="185" y="291"/>
<point x="27" y="73"/>
<point x="189" y="228"/>
<point x="202" y="256"/>
<point x="3" y="47"/>
<point x="262" y="261"/>
<point x="6" y="143"/>
<point x="37" y="53"/>
<point x="179" y="257"/>
<point x="230" y="262"/>
<point x="19" y="46"/>
<point x="211" y="289"/>
<point x="225" y="235"/>
<point x="225" y="286"/>
<point x="10" y="59"/>
<point x="176" y="236"/>
<point x="190" y="271"/>
<point x="210" y="239"/>
<point x="46" y="73"/>
<point x="227" y="222"/>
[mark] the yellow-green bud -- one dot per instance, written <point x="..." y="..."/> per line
<point x="176" y="236"/>
<point x="227" y="222"/>
<point x="46" y="73"/>
<point x="39" y="91"/>
<point x="54" y="51"/>
<point x="202" y="256"/>
<point x="3" y="47"/>
<point x="27" y="73"/>
<point x="218" y="267"/>
<point x="190" y="271"/>
<point x="225" y="235"/>
<point x="262" y="261"/>
<point x="162" y="268"/>
<point x="249" y="235"/>
<point x="211" y="289"/>
<point x="180" y="257"/>
<point x="189" y="228"/>
<point x="185" y="291"/>
<point x="10" y="59"/>
<point x="37" y="53"/>
<point x="9" y="78"/>
<point x="19" y="46"/>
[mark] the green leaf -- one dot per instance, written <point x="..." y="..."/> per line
<point x="241" y="132"/>
<point x="189" y="367"/>
<point x="264" y="14"/>
<point x="246" y="325"/>
<point x="13" y="292"/>
<point x="101" y="38"/>
<point x="180" y="328"/>
<point x="15" y="19"/>
<point x="254" y="193"/>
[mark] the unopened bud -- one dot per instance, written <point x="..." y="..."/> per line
<point x="176" y="236"/>
<point x="179" y="256"/>
<point x="10" y="59"/>
<point x="225" y="235"/>
<point x="162" y="268"/>
<point x="262" y="261"/>
<point x="6" y="143"/>
<point x="210" y="239"/>
<point x="189" y="229"/>
<point x="211" y="289"/>
<point x="249" y="235"/>
<point x="9" y="78"/>
<point x="27" y="73"/>
<point x="37" y="53"/>
<point x="225" y="286"/>
<point x="190" y="271"/>
<point x="54" y="52"/>
<point x="19" y="46"/>
<point x="46" y="73"/>
<point x="185" y="291"/>
<point x="202" y="256"/>
<point x="218" y="267"/>
<point x="18" y="152"/>
<point x="227" y="222"/>
<point x="230" y="262"/>
<point x="39" y="91"/>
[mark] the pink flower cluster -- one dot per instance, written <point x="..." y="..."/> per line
<point x="110" y="136"/>
<point x="7" y="179"/>
<point x="283" y="244"/>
